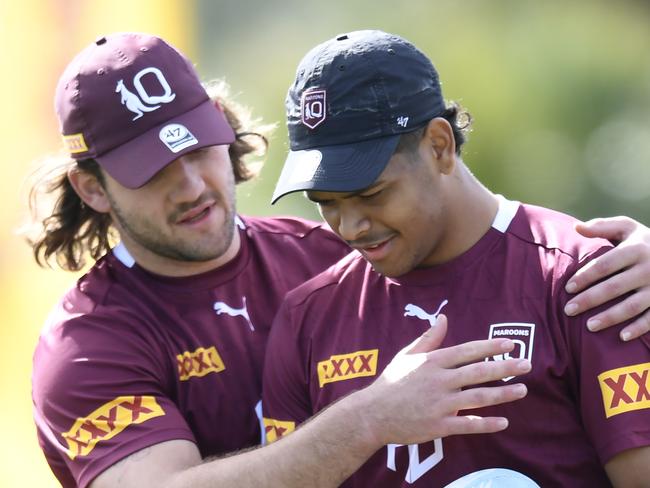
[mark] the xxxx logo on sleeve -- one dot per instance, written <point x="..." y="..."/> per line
<point x="109" y="420"/>
<point x="274" y="429"/>
<point x="625" y="389"/>
<point x="347" y="366"/>
<point x="199" y="363"/>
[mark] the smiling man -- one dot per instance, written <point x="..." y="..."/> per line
<point x="376" y="147"/>
<point x="150" y="367"/>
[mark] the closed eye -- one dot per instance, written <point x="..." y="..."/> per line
<point x="372" y="194"/>
<point x="325" y="203"/>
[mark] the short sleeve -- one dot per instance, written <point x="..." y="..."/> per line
<point x="613" y="383"/>
<point x="99" y="396"/>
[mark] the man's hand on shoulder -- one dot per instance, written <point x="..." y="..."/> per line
<point x="624" y="269"/>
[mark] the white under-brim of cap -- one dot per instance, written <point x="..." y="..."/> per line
<point x="338" y="168"/>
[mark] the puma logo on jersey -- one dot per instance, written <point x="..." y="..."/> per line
<point x="221" y="307"/>
<point x="411" y="310"/>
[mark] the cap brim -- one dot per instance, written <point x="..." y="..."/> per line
<point x="134" y="163"/>
<point x="339" y="168"/>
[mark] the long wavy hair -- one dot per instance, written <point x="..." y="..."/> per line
<point x="65" y="231"/>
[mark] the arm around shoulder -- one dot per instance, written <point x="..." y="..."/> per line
<point x="331" y="446"/>
<point x="322" y="453"/>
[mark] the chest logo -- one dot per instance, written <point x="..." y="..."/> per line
<point x="221" y="307"/>
<point x="199" y="363"/>
<point x="522" y="334"/>
<point x="411" y="310"/>
<point x="342" y="367"/>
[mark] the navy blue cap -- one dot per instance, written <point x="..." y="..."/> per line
<point x="352" y="98"/>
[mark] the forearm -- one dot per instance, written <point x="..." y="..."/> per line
<point x="321" y="453"/>
<point x="630" y="469"/>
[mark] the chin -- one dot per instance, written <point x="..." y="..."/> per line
<point x="390" y="271"/>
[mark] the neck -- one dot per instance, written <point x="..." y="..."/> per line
<point x="165" y="266"/>
<point x="470" y="214"/>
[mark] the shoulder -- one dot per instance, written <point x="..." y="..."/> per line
<point x="292" y="242"/>
<point x="553" y="232"/>
<point x="90" y="352"/>
<point x="343" y="277"/>
<point x="96" y="323"/>
<point x="289" y="227"/>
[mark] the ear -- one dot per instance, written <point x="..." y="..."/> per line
<point x="440" y="137"/>
<point x="89" y="189"/>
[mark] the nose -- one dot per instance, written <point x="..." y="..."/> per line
<point x="352" y="223"/>
<point x="187" y="178"/>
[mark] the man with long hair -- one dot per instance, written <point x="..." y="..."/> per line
<point x="150" y="366"/>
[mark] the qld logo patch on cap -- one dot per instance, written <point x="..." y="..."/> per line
<point x="177" y="137"/>
<point x="312" y="108"/>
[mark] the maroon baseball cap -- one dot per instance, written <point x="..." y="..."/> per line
<point x="134" y="104"/>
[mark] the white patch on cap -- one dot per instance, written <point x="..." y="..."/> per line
<point x="177" y="137"/>
<point x="305" y="164"/>
<point x="313" y="108"/>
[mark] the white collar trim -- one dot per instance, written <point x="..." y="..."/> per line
<point x="123" y="255"/>
<point x="505" y="213"/>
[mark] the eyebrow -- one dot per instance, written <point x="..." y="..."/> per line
<point x="348" y="194"/>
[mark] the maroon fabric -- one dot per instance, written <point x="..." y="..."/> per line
<point x="118" y="95"/>
<point x="330" y="330"/>
<point x="143" y="359"/>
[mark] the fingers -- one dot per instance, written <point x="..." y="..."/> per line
<point x="489" y="396"/>
<point x="626" y="309"/>
<point x="637" y="328"/>
<point x="470" y="352"/>
<point x="479" y="398"/>
<point x="486" y="371"/>
<point x="613" y="228"/>
<point x="471" y="424"/>
<point x="634" y="250"/>
<point x="615" y="286"/>
<point x="612" y="261"/>
<point x="430" y="340"/>
<point x="633" y="306"/>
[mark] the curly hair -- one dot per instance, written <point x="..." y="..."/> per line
<point x="71" y="230"/>
<point x="459" y="119"/>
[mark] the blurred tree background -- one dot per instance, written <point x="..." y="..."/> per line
<point x="559" y="92"/>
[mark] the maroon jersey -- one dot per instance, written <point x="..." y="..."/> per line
<point x="130" y="359"/>
<point x="588" y="393"/>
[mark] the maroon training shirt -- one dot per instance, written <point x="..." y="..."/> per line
<point x="588" y="393"/>
<point x="130" y="359"/>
